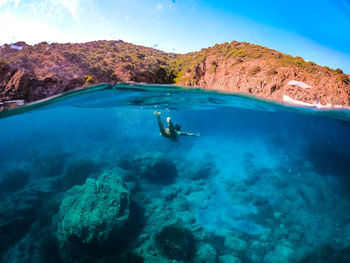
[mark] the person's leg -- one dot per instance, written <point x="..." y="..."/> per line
<point x="189" y="134"/>
<point x="172" y="130"/>
<point x="160" y="124"/>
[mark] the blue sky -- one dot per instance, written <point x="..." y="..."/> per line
<point x="319" y="30"/>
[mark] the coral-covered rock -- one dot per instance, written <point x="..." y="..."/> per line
<point x="95" y="212"/>
<point x="77" y="172"/>
<point x="203" y="169"/>
<point x="14" y="180"/>
<point x="153" y="167"/>
<point x="206" y="253"/>
<point x="176" y="243"/>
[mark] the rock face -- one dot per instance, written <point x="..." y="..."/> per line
<point x="176" y="243"/>
<point x="153" y="167"/>
<point x="251" y="69"/>
<point x="95" y="212"/>
<point x="35" y="72"/>
<point x="23" y="84"/>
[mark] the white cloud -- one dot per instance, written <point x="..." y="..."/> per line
<point x="15" y="2"/>
<point x="3" y="2"/>
<point x="32" y="30"/>
<point x="72" y="6"/>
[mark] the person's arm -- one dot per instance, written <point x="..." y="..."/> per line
<point x="160" y="124"/>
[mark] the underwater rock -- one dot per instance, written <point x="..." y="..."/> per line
<point x="126" y="257"/>
<point x="14" y="180"/>
<point x="50" y="165"/>
<point x="280" y="254"/>
<point x="169" y="193"/>
<point x="206" y="254"/>
<point x="229" y="259"/>
<point x="49" y="249"/>
<point x="77" y="172"/>
<point x="200" y="169"/>
<point x="95" y="212"/>
<point x="154" y="167"/>
<point x="235" y="244"/>
<point x="162" y="172"/>
<point x="17" y="214"/>
<point x="176" y="242"/>
<point x="327" y="254"/>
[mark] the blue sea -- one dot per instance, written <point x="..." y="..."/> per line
<point x="87" y="177"/>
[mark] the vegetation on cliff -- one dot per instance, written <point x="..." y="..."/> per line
<point x="252" y="69"/>
<point x="34" y="72"/>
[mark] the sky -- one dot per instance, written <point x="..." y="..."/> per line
<point x="318" y="31"/>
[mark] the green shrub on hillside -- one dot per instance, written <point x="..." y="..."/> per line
<point x="178" y="76"/>
<point x="255" y="55"/>
<point x="213" y="67"/>
<point x="128" y="66"/>
<point x="88" y="79"/>
<point x="239" y="53"/>
<point x="3" y="63"/>
<point x="254" y="71"/>
<point x="339" y="71"/>
<point x="278" y="55"/>
<point x="287" y="60"/>
<point x="343" y="78"/>
<point x="271" y="72"/>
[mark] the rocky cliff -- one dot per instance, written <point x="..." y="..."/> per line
<point x="263" y="72"/>
<point x="34" y="72"/>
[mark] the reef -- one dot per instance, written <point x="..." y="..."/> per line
<point x="153" y="167"/>
<point x="176" y="243"/>
<point x="95" y="214"/>
<point x="14" y="180"/>
<point x="178" y="205"/>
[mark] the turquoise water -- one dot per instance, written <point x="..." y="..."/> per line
<point x="88" y="178"/>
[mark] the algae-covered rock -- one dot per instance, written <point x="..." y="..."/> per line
<point x="154" y="167"/>
<point x="200" y="169"/>
<point x="94" y="212"/>
<point x="176" y="243"/>
<point x="234" y="244"/>
<point x="229" y="259"/>
<point x="281" y="254"/>
<point x="50" y="165"/>
<point x="77" y="172"/>
<point x="206" y="254"/>
<point x="14" y="180"/>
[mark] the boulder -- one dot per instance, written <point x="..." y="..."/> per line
<point x="153" y="167"/>
<point x="176" y="242"/>
<point x="14" y="180"/>
<point x="96" y="212"/>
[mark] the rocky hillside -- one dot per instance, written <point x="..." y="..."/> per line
<point x="34" y="72"/>
<point x="252" y="69"/>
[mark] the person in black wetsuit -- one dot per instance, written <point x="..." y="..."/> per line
<point x="172" y="132"/>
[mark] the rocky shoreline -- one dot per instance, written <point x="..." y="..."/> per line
<point x="31" y="73"/>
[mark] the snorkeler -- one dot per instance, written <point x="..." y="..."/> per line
<point x="172" y="132"/>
